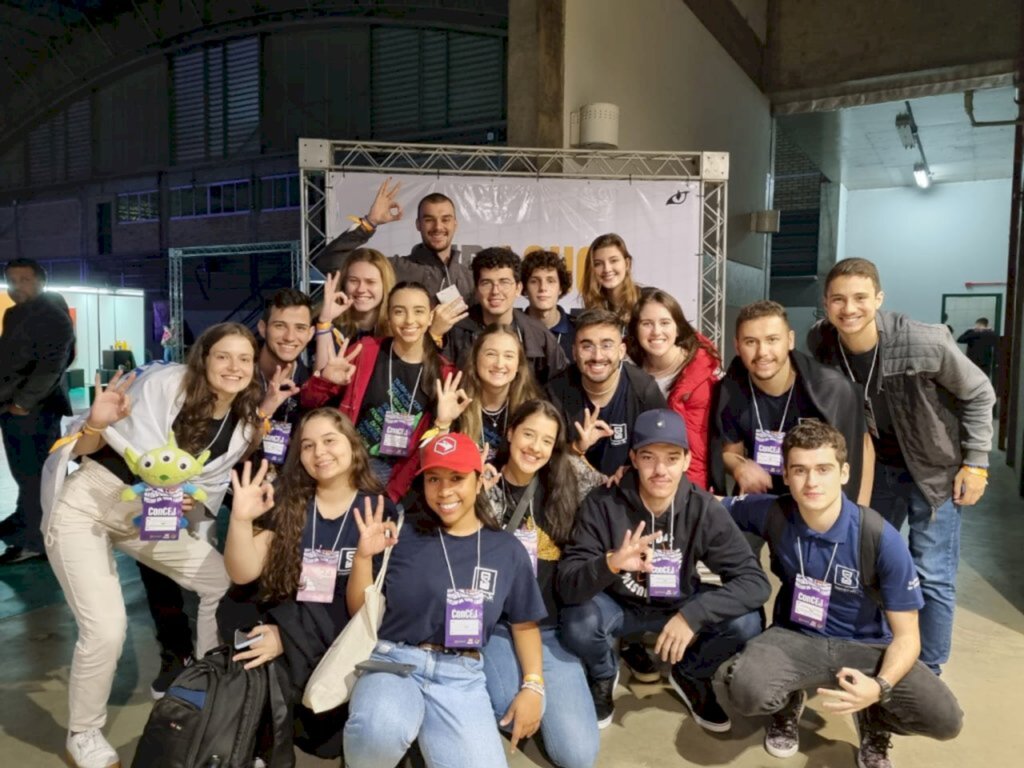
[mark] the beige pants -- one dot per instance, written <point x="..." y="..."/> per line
<point x="87" y="522"/>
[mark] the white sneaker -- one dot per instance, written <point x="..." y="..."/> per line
<point x="89" y="749"/>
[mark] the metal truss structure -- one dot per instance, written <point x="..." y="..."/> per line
<point x="318" y="157"/>
<point x="177" y="256"/>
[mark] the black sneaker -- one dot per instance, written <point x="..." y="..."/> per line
<point x="13" y="555"/>
<point x="782" y="736"/>
<point x="875" y="742"/>
<point x="641" y="665"/>
<point x="699" y="698"/>
<point x="602" y="692"/>
<point x="171" y="665"/>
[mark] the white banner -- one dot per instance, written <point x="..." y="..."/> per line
<point x="658" y="220"/>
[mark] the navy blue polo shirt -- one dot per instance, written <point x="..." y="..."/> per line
<point x="418" y="581"/>
<point x="852" y="614"/>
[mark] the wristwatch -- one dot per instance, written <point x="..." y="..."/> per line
<point x="885" y="692"/>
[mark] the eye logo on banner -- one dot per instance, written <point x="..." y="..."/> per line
<point x="678" y="198"/>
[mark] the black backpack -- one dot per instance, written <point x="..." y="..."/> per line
<point x="214" y="713"/>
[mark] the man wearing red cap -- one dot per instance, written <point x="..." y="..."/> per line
<point x="632" y="569"/>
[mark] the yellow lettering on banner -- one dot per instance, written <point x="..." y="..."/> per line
<point x="575" y="260"/>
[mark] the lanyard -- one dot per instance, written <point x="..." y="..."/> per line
<point x="219" y="430"/>
<point x="316" y="514"/>
<point x="671" y="525"/>
<point x="800" y="557"/>
<point x="391" y="380"/>
<point x="449" y="562"/>
<point x="525" y="503"/>
<point x="871" y="371"/>
<point x="757" y="412"/>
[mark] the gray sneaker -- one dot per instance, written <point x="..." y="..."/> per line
<point x="782" y="737"/>
<point x="875" y="743"/>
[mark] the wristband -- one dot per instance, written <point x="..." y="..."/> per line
<point x="535" y="687"/>
<point x="90" y="430"/>
<point x="539" y="679"/>
<point x="323" y="332"/>
<point x="576" y="450"/>
<point x="973" y="470"/>
<point x="608" y="562"/>
<point x="324" y="326"/>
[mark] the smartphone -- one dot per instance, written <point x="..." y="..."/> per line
<point x="404" y="670"/>
<point x="448" y="294"/>
<point x="243" y="641"/>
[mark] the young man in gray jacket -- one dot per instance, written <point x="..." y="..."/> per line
<point x="929" y="412"/>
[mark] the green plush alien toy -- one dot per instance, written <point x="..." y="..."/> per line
<point x="165" y="472"/>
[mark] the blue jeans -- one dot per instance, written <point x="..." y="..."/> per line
<point x="443" y="704"/>
<point x="589" y="630"/>
<point x="935" y="547"/>
<point x="569" y="725"/>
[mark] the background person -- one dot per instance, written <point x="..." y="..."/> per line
<point x="37" y="346"/>
<point x="546" y="279"/>
<point x="608" y="277"/>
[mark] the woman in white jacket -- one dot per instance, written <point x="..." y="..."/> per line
<point x="212" y="403"/>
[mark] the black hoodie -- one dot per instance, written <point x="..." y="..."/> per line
<point x="704" y="531"/>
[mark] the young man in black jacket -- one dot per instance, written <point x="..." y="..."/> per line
<point x="603" y="394"/>
<point x="631" y="567"/>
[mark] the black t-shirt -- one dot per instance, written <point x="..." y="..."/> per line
<point x="417" y="583"/>
<point x="739" y="426"/>
<point x="495" y="426"/>
<point x="340" y="534"/>
<point x="376" y="401"/>
<point x="887" y="446"/>
<point x="610" y="453"/>
<point x="114" y="462"/>
<point x="548" y="553"/>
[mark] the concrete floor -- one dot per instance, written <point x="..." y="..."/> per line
<point x="650" y="729"/>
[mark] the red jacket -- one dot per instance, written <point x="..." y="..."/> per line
<point x="317" y="392"/>
<point x="691" y="396"/>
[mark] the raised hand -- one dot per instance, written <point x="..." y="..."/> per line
<point x="111" y="404"/>
<point x="447" y="315"/>
<point x="452" y="400"/>
<point x="279" y="389"/>
<point x="251" y="496"/>
<point x="385" y="207"/>
<point x="340" y="366"/>
<point x="591" y="430"/>
<point x="335" y="301"/>
<point x="751" y="477"/>
<point x="635" y="553"/>
<point x="375" y="533"/>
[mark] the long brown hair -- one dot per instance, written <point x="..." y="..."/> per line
<point x="522" y="388"/>
<point x="295" y="488"/>
<point x="687" y="337"/>
<point x="431" y="357"/>
<point x="193" y="423"/>
<point x="557" y="478"/>
<point x="594" y="295"/>
<point x="345" y="323"/>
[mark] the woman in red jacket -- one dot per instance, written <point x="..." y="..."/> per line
<point x="388" y="387"/>
<point x="685" y="364"/>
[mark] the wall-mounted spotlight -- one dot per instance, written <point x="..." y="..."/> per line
<point x="922" y="176"/>
<point x="907" y="129"/>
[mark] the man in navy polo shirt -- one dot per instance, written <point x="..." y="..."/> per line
<point x="845" y="619"/>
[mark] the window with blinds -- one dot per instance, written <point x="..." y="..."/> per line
<point x="60" y="148"/>
<point x="216" y="101"/>
<point x="433" y="83"/>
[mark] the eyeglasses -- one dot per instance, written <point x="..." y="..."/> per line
<point x="504" y="285"/>
<point x="589" y="348"/>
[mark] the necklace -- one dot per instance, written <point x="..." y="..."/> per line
<point x="613" y="383"/>
<point x="672" y="367"/>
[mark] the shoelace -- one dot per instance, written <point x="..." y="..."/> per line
<point x="877" y="741"/>
<point x="88" y="742"/>
<point x="786" y="725"/>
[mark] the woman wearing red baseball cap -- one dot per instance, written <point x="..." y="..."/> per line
<point x="449" y="581"/>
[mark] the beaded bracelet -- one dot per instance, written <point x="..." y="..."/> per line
<point x="535" y="687"/>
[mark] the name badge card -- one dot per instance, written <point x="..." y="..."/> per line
<point x="663" y="581"/>
<point x="528" y="538"/>
<point x="275" y="442"/>
<point x="464" y="618"/>
<point x="768" y="450"/>
<point x="319" y="573"/>
<point x="810" y="602"/>
<point x="396" y="436"/>
<point x="161" y="514"/>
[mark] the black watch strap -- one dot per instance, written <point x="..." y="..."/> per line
<point x="885" y="687"/>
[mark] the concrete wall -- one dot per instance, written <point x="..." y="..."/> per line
<point x="677" y="89"/>
<point x="930" y="242"/>
<point x="823" y="43"/>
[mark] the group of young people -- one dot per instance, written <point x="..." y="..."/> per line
<point x="550" y="487"/>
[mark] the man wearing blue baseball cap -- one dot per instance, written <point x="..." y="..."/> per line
<point x="631" y="568"/>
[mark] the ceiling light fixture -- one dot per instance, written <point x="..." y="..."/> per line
<point x="906" y="127"/>
<point x="922" y="176"/>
